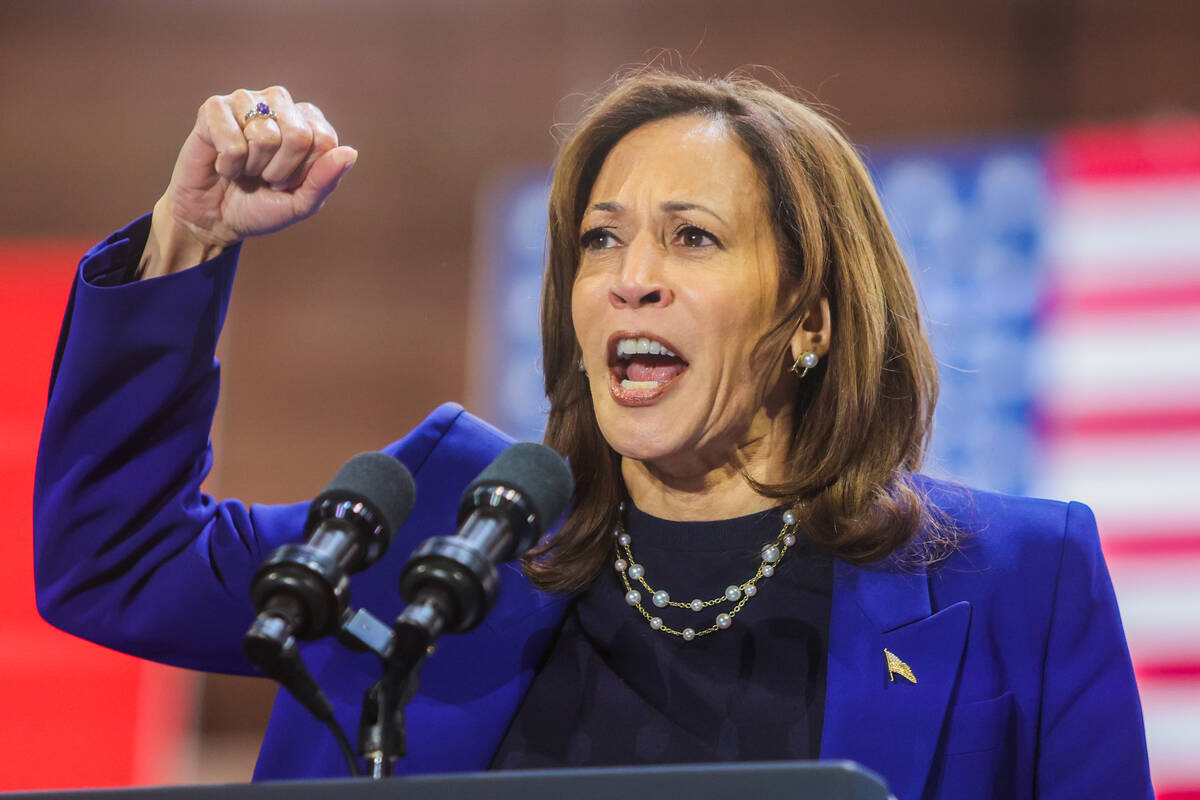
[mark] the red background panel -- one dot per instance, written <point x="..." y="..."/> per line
<point x="73" y="714"/>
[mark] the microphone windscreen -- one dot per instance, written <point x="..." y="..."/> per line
<point x="378" y="481"/>
<point x="537" y="472"/>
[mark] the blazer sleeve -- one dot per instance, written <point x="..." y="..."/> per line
<point x="1091" y="738"/>
<point x="127" y="550"/>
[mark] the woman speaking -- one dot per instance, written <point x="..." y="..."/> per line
<point x="752" y="567"/>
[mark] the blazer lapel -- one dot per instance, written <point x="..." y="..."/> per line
<point x="875" y="715"/>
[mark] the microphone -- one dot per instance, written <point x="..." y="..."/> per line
<point x="450" y="583"/>
<point x="302" y="590"/>
<point x="350" y="525"/>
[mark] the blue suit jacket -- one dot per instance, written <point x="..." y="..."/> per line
<point x="1024" y="685"/>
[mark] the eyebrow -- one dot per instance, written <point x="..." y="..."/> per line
<point x="670" y="206"/>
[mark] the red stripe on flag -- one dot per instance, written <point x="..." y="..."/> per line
<point x="1149" y="150"/>
<point x="1173" y="793"/>
<point x="1125" y="299"/>
<point x="1177" y="419"/>
<point x="1187" y="671"/>
<point x="1146" y="546"/>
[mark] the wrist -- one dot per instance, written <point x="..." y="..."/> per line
<point x="172" y="246"/>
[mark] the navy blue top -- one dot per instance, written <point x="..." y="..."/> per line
<point x="614" y="692"/>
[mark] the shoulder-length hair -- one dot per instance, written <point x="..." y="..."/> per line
<point x="861" y="418"/>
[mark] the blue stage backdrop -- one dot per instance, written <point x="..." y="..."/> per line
<point x="969" y="220"/>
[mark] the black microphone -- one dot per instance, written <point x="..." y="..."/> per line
<point x="302" y="590"/>
<point x="450" y="582"/>
<point x="350" y="525"/>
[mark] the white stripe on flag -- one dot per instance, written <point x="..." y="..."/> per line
<point x="1105" y="227"/>
<point x="1155" y="479"/>
<point x="1146" y="353"/>
<point x="1158" y="607"/>
<point x="1172" y="733"/>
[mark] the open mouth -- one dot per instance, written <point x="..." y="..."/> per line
<point x="642" y="368"/>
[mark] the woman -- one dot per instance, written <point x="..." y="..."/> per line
<point x="752" y="567"/>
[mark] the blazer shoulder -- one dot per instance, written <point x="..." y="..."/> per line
<point x="450" y="432"/>
<point x="1008" y="535"/>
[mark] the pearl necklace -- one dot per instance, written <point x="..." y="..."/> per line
<point x="738" y="594"/>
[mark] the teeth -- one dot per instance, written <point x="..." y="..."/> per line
<point x="628" y="384"/>
<point x="629" y="347"/>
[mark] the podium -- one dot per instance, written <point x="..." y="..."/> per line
<point x="793" y="780"/>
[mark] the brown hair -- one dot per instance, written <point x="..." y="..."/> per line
<point x="861" y="418"/>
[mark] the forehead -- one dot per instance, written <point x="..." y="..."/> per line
<point x="691" y="158"/>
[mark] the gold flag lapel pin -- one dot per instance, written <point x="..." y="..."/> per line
<point x="897" y="667"/>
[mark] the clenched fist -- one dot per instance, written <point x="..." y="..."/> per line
<point x="242" y="172"/>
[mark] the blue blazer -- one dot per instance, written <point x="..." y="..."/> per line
<point x="1024" y="687"/>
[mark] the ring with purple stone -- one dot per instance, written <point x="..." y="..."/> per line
<point x="260" y="110"/>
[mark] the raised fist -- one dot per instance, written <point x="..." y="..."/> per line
<point x="255" y="162"/>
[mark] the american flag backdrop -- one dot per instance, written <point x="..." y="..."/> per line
<point x="1118" y="411"/>
<point x="1060" y="275"/>
<point x="1061" y="279"/>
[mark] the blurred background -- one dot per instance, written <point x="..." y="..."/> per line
<point x="1039" y="159"/>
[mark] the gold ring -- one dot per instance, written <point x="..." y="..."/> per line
<point x="260" y="110"/>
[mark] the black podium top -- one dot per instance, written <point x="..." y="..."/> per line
<point x="797" y="780"/>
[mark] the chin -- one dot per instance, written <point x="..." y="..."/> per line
<point x="642" y="434"/>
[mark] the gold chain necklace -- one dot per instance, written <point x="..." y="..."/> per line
<point x="739" y="594"/>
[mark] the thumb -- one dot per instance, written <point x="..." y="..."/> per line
<point x="323" y="177"/>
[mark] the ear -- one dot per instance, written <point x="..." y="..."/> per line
<point x="815" y="331"/>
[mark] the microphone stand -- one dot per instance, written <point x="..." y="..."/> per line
<point x="451" y="583"/>
<point x="402" y="649"/>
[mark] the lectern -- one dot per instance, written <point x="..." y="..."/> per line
<point x="777" y="780"/>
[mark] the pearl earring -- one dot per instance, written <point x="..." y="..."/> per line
<point x="582" y="368"/>
<point x="803" y="364"/>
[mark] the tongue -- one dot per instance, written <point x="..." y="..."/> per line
<point x="654" y="368"/>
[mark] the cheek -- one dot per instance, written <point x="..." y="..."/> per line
<point x="586" y="313"/>
<point x="748" y="369"/>
<point x="731" y="319"/>
<point x="578" y="312"/>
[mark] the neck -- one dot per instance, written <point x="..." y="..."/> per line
<point x="721" y="494"/>
<point x="698" y="491"/>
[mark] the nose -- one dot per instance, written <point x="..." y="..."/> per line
<point x="639" y="282"/>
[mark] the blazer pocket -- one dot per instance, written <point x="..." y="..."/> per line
<point x="975" y="727"/>
<point x="977" y="752"/>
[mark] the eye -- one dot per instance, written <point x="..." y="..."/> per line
<point x="598" y="239"/>
<point x="692" y="236"/>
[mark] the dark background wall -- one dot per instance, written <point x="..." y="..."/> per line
<point x="347" y="329"/>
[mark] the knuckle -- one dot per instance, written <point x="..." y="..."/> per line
<point x="211" y="108"/>
<point x="297" y="138"/>
<point x="278" y="91"/>
<point x="311" y="111"/>
<point x="264" y="136"/>
<point x="324" y="140"/>
<point x="242" y="95"/>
